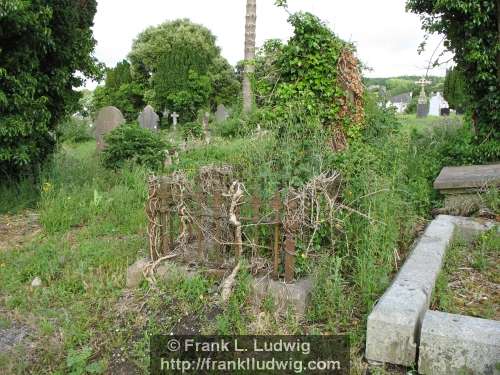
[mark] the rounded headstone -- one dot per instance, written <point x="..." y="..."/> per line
<point x="108" y="118"/>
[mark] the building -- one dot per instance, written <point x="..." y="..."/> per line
<point x="436" y="104"/>
<point x="400" y="102"/>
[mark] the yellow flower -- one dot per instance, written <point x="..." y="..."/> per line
<point x="47" y="186"/>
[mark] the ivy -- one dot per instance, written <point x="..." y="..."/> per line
<point x="471" y="30"/>
<point x="315" y="70"/>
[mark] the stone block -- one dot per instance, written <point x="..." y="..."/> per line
<point x="295" y="295"/>
<point x="455" y="344"/>
<point x="394" y="324"/>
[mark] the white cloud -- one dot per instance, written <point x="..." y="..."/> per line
<point x="385" y="35"/>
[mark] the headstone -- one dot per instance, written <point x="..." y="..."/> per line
<point x="222" y="114"/>
<point x="108" y="118"/>
<point x="206" y="130"/>
<point x="422" y="109"/>
<point x="174" y="116"/>
<point x="148" y="119"/>
<point x="445" y="111"/>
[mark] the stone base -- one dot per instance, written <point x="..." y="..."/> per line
<point x="457" y="344"/>
<point x="296" y="295"/>
<point x="393" y="327"/>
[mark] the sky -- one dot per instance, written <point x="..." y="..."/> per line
<point x="386" y="37"/>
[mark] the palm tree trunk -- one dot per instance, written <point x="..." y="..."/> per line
<point x="251" y="18"/>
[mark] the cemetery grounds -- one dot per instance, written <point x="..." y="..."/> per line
<point x="86" y="225"/>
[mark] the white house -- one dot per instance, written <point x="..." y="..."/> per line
<point x="437" y="103"/>
<point x="400" y="102"/>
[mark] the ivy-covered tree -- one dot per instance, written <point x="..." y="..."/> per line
<point x="120" y="90"/>
<point x="44" y="44"/>
<point x="182" y="67"/>
<point x="455" y="91"/>
<point x="472" y="33"/>
<point x="316" y="71"/>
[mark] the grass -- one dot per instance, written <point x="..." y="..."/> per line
<point x="94" y="227"/>
<point x="468" y="283"/>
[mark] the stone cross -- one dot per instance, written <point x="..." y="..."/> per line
<point x="422" y="82"/>
<point x="174" y="116"/>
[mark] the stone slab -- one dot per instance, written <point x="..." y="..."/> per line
<point x="455" y="344"/>
<point x="393" y="327"/>
<point x="454" y="179"/>
<point x="394" y="324"/>
<point x="295" y="295"/>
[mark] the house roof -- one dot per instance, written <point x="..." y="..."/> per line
<point x="401" y="98"/>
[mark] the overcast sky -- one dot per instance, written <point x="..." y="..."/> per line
<point x="386" y="36"/>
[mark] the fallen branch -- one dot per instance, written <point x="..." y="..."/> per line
<point x="227" y="285"/>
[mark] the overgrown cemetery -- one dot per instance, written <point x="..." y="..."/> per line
<point x="288" y="195"/>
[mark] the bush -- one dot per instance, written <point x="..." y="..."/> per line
<point x="192" y="130"/>
<point x="131" y="142"/>
<point x="74" y="130"/>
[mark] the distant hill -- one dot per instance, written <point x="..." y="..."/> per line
<point x="400" y="85"/>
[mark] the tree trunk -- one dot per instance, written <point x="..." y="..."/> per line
<point x="251" y="18"/>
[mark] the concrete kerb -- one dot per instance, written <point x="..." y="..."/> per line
<point x="394" y="325"/>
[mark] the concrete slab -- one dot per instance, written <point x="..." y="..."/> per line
<point x="467" y="178"/>
<point x="456" y="344"/>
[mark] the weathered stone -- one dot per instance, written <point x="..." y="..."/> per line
<point x="455" y="344"/>
<point x="394" y="323"/>
<point x="393" y="327"/>
<point x="221" y="114"/>
<point x="36" y="283"/>
<point x="422" y="109"/>
<point x="295" y="295"/>
<point x="148" y="119"/>
<point x="470" y="178"/>
<point x="108" y="118"/>
<point x="135" y="274"/>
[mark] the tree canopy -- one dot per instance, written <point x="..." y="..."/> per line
<point x="471" y="29"/>
<point x="455" y="91"/>
<point x="46" y="51"/>
<point x="182" y="68"/>
<point x="120" y="90"/>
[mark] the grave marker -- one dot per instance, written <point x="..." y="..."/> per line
<point x="222" y="114"/>
<point x="148" y="119"/>
<point x="174" y="116"/>
<point x="108" y="118"/>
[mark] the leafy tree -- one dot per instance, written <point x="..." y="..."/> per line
<point x="120" y="90"/>
<point x="472" y="32"/>
<point x="44" y="44"/>
<point x="455" y="91"/>
<point x="182" y="68"/>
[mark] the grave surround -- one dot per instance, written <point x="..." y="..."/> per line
<point x="401" y="326"/>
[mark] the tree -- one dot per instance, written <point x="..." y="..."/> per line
<point x="181" y="68"/>
<point x="120" y="90"/>
<point x="44" y="44"/>
<point x="455" y="91"/>
<point x="472" y="30"/>
<point x="250" y="25"/>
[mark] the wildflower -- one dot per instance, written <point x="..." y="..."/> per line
<point x="46" y="187"/>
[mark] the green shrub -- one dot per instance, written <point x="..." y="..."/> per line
<point x="192" y="130"/>
<point x="133" y="143"/>
<point x="74" y="130"/>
